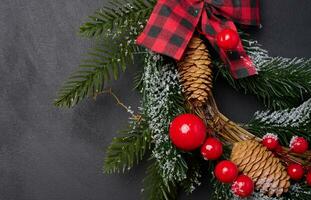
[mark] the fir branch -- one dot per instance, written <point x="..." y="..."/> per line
<point x="298" y="191"/>
<point x="118" y="16"/>
<point x="285" y="123"/>
<point x="193" y="176"/>
<point x="220" y="191"/>
<point x="104" y="61"/>
<point x="281" y="82"/>
<point x="113" y="52"/>
<point x="162" y="101"/>
<point x="129" y="148"/>
<point x="157" y="187"/>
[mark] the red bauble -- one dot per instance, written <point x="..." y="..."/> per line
<point x="308" y="178"/>
<point x="271" y="141"/>
<point x="227" y="39"/>
<point x="299" y="145"/>
<point x="226" y="171"/>
<point x="211" y="149"/>
<point x="187" y="132"/>
<point x="243" y="186"/>
<point x="295" y="171"/>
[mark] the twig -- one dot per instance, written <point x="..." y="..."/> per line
<point x="119" y="103"/>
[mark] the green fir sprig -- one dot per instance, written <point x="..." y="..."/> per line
<point x="117" y="27"/>
<point x="128" y="148"/>
<point x="281" y="82"/>
<point x="103" y="63"/>
<point x="162" y="101"/>
<point x="156" y="187"/>
<point x="117" y="16"/>
<point x="285" y="123"/>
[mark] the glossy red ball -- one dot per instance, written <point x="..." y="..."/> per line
<point x="243" y="186"/>
<point x="270" y="141"/>
<point x="308" y="178"/>
<point x="187" y="132"/>
<point x="299" y="145"/>
<point x="226" y="171"/>
<point x="211" y="149"/>
<point x="227" y="39"/>
<point x="295" y="171"/>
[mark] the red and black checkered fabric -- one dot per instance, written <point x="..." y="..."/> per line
<point x="173" y="22"/>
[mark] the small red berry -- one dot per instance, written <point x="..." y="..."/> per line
<point x="187" y="132"/>
<point x="298" y="145"/>
<point x="211" y="149"/>
<point x="243" y="186"/>
<point x="295" y="171"/>
<point x="271" y="141"/>
<point x="308" y="178"/>
<point x="227" y="39"/>
<point x="226" y="171"/>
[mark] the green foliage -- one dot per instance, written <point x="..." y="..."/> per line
<point x="104" y="62"/>
<point x="120" y="23"/>
<point x="285" y="123"/>
<point x="220" y="191"/>
<point x="192" y="181"/>
<point x="128" y="148"/>
<point x="299" y="191"/>
<point x="162" y="101"/>
<point x="281" y="82"/>
<point x="118" y="16"/>
<point x="157" y="187"/>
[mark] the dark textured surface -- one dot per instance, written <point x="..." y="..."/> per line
<point x="48" y="153"/>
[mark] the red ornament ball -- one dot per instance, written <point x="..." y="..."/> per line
<point x="211" y="149"/>
<point x="227" y="39"/>
<point x="308" y="178"/>
<point x="298" y="145"/>
<point x="271" y="141"/>
<point x="226" y="171"/>
<point x="243" y="186"/>
<point x="187" y="132"/>
<point x="295" y="171"/>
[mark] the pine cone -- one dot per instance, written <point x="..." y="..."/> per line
<point x="196" y="73"/>
<point x="256" y="161"/>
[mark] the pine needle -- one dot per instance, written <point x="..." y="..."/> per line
<point x="128" y="148"/>
<point x="281" y="82"/>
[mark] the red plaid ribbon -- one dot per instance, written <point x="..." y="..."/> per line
<point x="173" y="22"/>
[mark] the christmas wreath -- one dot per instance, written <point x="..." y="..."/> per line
<point x="186" y="45"/>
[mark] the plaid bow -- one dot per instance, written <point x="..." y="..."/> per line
<point x="173" y="22"/>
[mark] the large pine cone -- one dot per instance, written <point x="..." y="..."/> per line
<point x="256" y="161"/>
<point x="196" y="73"/>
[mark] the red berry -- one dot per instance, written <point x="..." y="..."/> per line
<point x="299" y="145"/>
<point x="187" y="132"/>
<point x="243" y="186"/>
<point x="211" y="149"/>
<point x="308" y="178"/>
<point x="226" y="171"/>
<point x="295" y="171"/>
<point x="227" y="39"/>
<point x="271" y="141"/>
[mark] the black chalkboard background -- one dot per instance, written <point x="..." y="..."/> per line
<point x="47" y="153"/>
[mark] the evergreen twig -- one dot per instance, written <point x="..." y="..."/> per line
<point x="285" y="123"/>
<point x="157" y="187"/>
<point x="128" y="148"/>
<point x="117" y="16"/>
<point x="162" y="101"/>
<point x="281" y="82"/>
<point x="104" y="61"/>
<point x="193" y="175"/>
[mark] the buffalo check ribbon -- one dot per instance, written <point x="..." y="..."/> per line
<point x="173" y="22"/>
